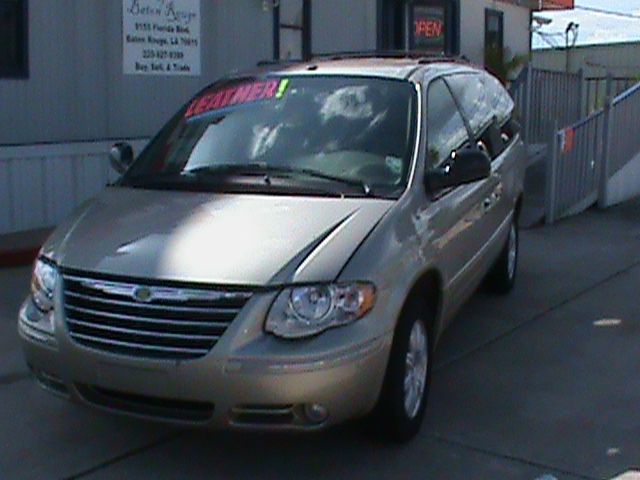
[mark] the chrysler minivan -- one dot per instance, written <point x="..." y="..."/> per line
<point x="287" y="251"/>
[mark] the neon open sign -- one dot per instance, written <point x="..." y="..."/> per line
<point x="429" y="27"/>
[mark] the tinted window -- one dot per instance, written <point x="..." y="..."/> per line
<point x="446" y="129"/>
<point x="482" y="99"/>
<point x="353" y="128"/>
<point x="13" y="48"/>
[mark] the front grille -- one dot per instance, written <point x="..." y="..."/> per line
<point x="145" y="319"/>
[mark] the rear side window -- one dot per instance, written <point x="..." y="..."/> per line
<point x="446" y="130"/>
<point x="482" y="99"/>
<point x="487" y="107"/>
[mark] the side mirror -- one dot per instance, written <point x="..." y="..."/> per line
<point x="465" y="166"/>
<point x="121" y="157"/>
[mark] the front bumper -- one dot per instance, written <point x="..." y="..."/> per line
<point x="248" y="380"/>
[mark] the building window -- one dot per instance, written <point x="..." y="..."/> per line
<point x="493" y="37"/>
<point x="13" y="39"/>
<point x="292" y="30"/>
<point x="431" y="26"/>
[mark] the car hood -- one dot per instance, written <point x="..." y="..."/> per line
<point x="223" y="239"/>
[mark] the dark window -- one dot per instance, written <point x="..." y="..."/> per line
<point x="493" y="36"/>
<point x="13" y="39"/>
<point x="446" y="129"/>
<point x="428" y="25"/>
<point x="487" y="107"/>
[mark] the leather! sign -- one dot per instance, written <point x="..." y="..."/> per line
<point x="237" y="95"/>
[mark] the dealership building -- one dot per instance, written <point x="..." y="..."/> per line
<point x="77" y="75"/>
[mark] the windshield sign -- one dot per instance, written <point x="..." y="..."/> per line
<point x="237" y="95"/>
<point x="341" y="135"/>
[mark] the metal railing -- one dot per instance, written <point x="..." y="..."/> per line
<point x="596" y="90"/>
<point x="625" y="137"/>
<point x="586" y="155"/>
<point x="543" y="97"/>
<point x="574" y="167"/>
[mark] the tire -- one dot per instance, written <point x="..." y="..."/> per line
<point x="502" y="277"/>
<point x="399" y="413"/>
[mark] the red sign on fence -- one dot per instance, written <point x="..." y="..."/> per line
<point x="567" y="140"/>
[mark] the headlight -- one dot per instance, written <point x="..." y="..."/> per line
<point x="304" y="311"/>
<point x="43" y="284"/>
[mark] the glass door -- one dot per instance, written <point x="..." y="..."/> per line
<point x="292" y="35"/>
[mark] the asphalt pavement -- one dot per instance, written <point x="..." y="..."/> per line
<point x="542" y="384"/>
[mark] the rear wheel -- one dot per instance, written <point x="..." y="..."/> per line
<point x="401" y="407"/>
<point x="502" y="277"/>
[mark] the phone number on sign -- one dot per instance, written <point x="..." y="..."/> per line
<point x="162" y="54"/>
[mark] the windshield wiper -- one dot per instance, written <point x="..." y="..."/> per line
<point x="347" y="181"/>
<point x="265" y="169"/>
<point x="245" y="168"/>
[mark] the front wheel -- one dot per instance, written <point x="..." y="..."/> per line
<point x="502" y="277"/>
<point x="401" y="407"/>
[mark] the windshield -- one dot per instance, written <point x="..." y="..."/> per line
<point x="349" y="134"/>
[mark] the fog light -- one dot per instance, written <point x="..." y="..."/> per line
<point x="315" y="413"/>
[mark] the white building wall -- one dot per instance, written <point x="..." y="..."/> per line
<point x="621" y="59"/>
<point x="339" y="25"/>
<point x="76" y="90"/>
<point x="516" y="28"/>
<point x="40" y="185"/>
<point x="625" y="184"/>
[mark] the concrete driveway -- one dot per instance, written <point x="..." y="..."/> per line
<point x="542" y="384"/>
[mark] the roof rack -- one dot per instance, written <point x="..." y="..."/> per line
<point x="378" y="54"/>
<point x="268" y="63"/>
<point x="420" y="57"/>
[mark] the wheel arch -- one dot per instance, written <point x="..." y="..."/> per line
<point x="427" y="291"/>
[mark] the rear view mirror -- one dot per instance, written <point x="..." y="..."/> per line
<point x="121" y="157"/>
<point x="465" y="166"/>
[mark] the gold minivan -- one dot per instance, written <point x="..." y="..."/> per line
<point x="287" y="251"/>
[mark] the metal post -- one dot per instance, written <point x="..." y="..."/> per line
<point x="603" y="190"/>
<point x="527" y="106"/>
<point x="552" y="173"/>
<point x="581" y="100"/>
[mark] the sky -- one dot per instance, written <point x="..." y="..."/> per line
<point x="594" y="27"/>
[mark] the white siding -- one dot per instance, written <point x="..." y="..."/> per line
<point x="41" y="185"/>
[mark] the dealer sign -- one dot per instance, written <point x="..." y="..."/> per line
<point x="161" y="37"/>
